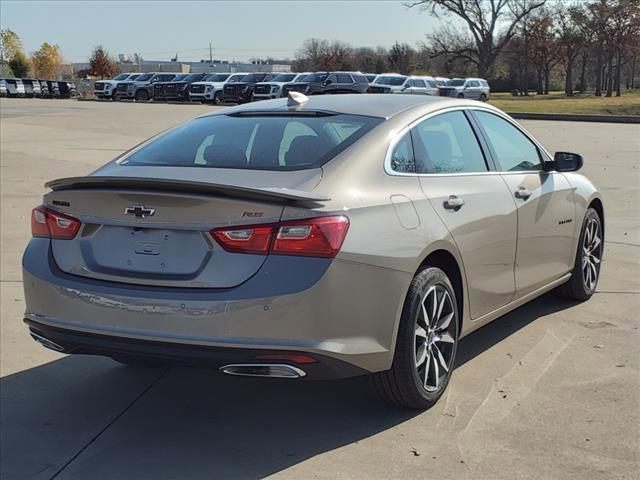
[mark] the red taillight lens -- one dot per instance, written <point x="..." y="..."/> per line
<point x="314" y="237"/>
<point x="251" y="239"/>
<point x="310" y="237"/>
<point x="51" y="224"/>
<point x="295" y="358"/>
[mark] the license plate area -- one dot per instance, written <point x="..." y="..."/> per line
<point x="147" y="251"/>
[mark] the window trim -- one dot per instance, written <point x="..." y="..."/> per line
<point x="491" y="163"/>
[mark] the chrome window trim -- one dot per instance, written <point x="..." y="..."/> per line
<point x="398" y="136"/>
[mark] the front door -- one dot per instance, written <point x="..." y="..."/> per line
<point x="545" y="210"/>
<point x="474" y="203"/>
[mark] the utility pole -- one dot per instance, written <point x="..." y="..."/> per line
<point x="210" y="54"/>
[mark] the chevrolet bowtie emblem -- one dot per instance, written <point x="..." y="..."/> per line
<point x="139" y="211"/>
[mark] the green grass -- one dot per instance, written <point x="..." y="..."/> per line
<point x="556" y="102"/>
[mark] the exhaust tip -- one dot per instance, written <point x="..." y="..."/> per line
<point x="45" y="342"/>
<point x="273" y="370"/>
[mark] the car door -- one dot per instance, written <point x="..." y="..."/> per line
<point x="331" y="83"/>
<point x="419" y="87"/>
<point x="545" y="204"/>
<point x="345" y="82"/>
<point x="473" y="202"/>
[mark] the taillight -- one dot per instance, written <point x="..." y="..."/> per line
<point x="51" y="224"/>
<point x="309" y="237"/>
<point x="246" y="239"/>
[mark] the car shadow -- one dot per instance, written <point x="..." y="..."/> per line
<point x="192" y="423"/>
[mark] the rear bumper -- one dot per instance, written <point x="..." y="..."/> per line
<point x="75" y="342"/>
<point x="336" y="309"/>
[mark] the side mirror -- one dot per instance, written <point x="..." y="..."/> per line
<point x="566" y="162"/>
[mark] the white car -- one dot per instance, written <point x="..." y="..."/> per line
<point x="273" y="88"/>
<point x="210" y="89"/>
<point x="397" y="83"/>
<point x="107" y="88"/>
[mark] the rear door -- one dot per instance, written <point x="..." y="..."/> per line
<point x="473" y="202"/>
<point x="544" y="200"/>
<point x="419" y="87"/>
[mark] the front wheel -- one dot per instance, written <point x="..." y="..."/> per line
<point x="586" y="268"/>
<point x="461" y="95"/>
<point x="426" y="344"/>
<point x="142" y="96"/>
<point x="483" y="97"/>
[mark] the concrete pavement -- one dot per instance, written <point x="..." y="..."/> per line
<point x="551" y="390"/>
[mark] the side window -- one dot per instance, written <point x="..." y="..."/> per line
<point x="402" y="159"/>
<point x="446" y="143"/>
<point x="474" y="83"/>
<point x="344" y="78"/>
<point x="408" y="84"/>
<point x="332" y="78"/>
<point x="419" y="83"/>
<point x="514" y="151"/>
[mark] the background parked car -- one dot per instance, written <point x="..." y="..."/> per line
<point x="175" y="89"/>
<point x="371" y="77"/>
<point x="30" y="89"/>
<point x="242" y="91"/>
<point x="210" y="89"/>
<point x="44" y="88"/>
<point x="126" y="89"/>
<point x="474" y="88"/>
<point x="67" y="89"/>
<point x="3" y="88"/>
<point x="145" y="90"/>
<point x="321" y="83"/>
<point x="395" y="83"/>
<point x="15" y="88"/>
<point x="273" y="88"/>
<point x="107" y="88"/>
<point x="54" y="89"/>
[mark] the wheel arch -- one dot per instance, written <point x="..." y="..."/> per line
<point x="596" y="204"/>
<point x="448" y="262"/>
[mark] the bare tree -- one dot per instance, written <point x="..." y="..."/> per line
<point x="484" y="39"/>
<point x="401" y="58"/>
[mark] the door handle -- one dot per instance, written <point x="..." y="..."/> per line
<point x="523" y="193"/>
<point x="453" y="203"/>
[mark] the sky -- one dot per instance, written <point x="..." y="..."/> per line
<point x="237" y="30"/>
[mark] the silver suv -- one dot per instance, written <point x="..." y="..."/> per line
<point x="474" y="88"/>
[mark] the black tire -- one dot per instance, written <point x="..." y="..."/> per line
<point x="580" y="286"/>
<point x="216" y="98"/>
<point x="403" y="384"/>
<point x="461" y="95"/>
<point x="142" y="96"/>
<point x="483" y="97"/>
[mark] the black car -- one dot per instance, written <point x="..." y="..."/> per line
<point x="242" y="91"/>
<point x="54" y="89"/>
<point x="177" y="89"/>
<point x="321" y="83"/>
<point x="67" y="89"/>
<point x="44" y="88"/>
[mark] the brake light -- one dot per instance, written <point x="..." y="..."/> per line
<point x="314" y="237"/>
<point x="310" y="237"/>
<point x="51" y="224"/>
<point x="249" y="239"/>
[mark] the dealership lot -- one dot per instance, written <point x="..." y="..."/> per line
<point x="552" y="390"/>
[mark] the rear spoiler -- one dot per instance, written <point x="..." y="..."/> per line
<point x="138" y="183"/>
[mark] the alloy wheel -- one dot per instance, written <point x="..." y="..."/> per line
<point x="435" y="337"/>
<point x="591" y="254"/>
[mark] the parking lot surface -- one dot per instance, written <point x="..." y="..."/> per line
<point x="551" y="390"/>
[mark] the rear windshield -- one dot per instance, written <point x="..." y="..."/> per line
<point x="257" y="142"/>
<point x="394" y="81"/>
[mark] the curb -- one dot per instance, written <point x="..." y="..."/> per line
<point x="575" y="117"/>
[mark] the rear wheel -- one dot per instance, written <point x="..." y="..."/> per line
<point x="142" y="96"/>
<point x="483" y="97"/>
<point x="426" y="344"/>
<point x="461" y="95"/>
<point x="114" y="96"/>
<point x="586" y="269"/>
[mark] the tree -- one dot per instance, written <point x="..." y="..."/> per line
<point x="101" y="64"/>
<point x="482" y="42"/>
<point x="401" y="58"/>
<point x="47" y="61"/>
<point x="19" y="64"/>
<point x="10" y="45"/>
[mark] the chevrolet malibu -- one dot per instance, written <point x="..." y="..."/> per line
<point x="310" y="238"/>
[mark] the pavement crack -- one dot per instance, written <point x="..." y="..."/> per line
<point x="622" y="243"/>
<point x="106" y="427"/>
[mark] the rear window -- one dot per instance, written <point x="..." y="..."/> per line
<point x="255" y="142"/>
<point x="393" y="81"/>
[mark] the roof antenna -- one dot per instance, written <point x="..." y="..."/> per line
<point x="296" y="99"/>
